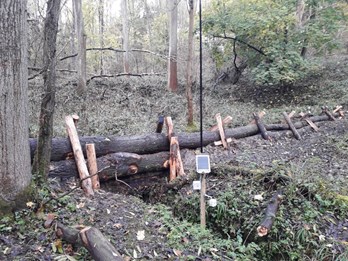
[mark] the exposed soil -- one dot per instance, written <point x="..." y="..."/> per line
<point x="131" y="106"/>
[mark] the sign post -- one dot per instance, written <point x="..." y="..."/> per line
<point x="203" y="168"/>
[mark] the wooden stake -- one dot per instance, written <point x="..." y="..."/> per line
<point x="225" y="121"/>
<point x="261" y="127"/>
<point x="92" y="165"/>
<point x="311" y="123"/>
<point x="221" y="130"/>
<point x="260" y="114"/>
<point x="291" y="125"/>
<point x="78" y="154"/>
<point x="202" y="200"/>
<point x="218" y="143"/>
<point x="338" y="108"/>
<point x="326" y="111"/>
<point x="170" y="128"/>
<point x="173" y="158"/>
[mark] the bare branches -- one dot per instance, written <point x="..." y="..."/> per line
<point x="118" y="51"/>
<point x="241" y="41"/>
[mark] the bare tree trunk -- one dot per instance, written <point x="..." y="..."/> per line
<point x="189" y="63"/>
<point x="125" y="32"/>
<point x="15" y="173"/>
<point x="149" y="32"/>
<point x="101" y="33"/>
<point x="300" y="12"/>
<point x="81" y="39"/>
<point x="43" y="152"/>
<point x="72" y="36"/>
<point x="173" y="46"/>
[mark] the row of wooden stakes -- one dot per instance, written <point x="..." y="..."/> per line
<point x="258" y="121"/>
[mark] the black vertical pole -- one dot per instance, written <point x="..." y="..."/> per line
<point x="200" y="74"/>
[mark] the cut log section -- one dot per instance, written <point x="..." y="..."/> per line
<point x="155" y="142"/>
<point x="270" y="215"/>
<point x="225" y="121"/>
<point x="291" y="125"/>
<point x="78" y="154"/>
<point x="92" y="239"/>
<point x="92" y="166"/>
<point x="122" y="164"/>
<point x="261" y="127"/>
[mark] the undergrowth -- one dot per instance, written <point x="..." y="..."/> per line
<point x="298" y="233"/>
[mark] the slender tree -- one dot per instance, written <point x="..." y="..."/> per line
<point x="81" y="39"/>
<point x="15" y="171"/>
<point x="125" y="34"/>
<point x="191" y="11"/>
<point x="101" y="33"/>
<point x="43" y="152"/>
<point x="173" y="46"/>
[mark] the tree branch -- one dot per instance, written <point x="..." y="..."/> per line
<point x="116" y="50"/>
<point x="241" y="41"/>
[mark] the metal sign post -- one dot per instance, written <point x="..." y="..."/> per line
<point x="203" y="168"/>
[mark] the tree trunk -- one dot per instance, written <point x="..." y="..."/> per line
<point x="125" y="35"/>
<point x="173" y="43"/>
<point x="189" y="64"/>
<point x="43" y="152"/>
<point x="81" y="39"/>
<point x="15" y="173"/>
<point x="101" y="33"/>
<point x="120" y="165"/>
<point x="73" y="63"/>
<point x="156" y="142"/>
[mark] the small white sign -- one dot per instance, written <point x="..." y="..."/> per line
<point x="212" y="202"/>
<point x="196" y="185"/>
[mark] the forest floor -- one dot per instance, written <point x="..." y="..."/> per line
<point x="311" y="173"/>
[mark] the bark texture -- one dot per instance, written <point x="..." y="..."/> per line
<point x="43" y="152"/>
<point x="189" y="64"/>
<point x="173" y="46"/>
<point x="125" y="34"/>
<point x="114" y="165"/>
<point x="15" y="172"/>
<point x="81" y="39"/>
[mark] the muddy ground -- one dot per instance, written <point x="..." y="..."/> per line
<point x="315" y="165"/>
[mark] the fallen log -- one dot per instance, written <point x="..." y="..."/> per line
<point x="156" y="142"/>
<point x="270" y="214"/>
<point x="92" y="239"/>
<point x="120" y="165"/>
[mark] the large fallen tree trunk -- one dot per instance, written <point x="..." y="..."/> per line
<point x="152" y="143"/>
<point x="115" y="165"/>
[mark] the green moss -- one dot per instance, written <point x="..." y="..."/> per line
<point x="7" y="207"/>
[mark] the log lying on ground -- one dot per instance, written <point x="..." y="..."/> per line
<point x="121" y="164"/>
<point x="156" y="142"/>
<point x="92" y="239"/>
<point x="270" y="215"/>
